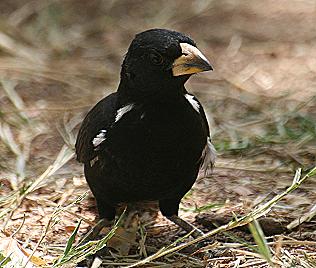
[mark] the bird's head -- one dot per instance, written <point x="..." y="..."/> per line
<point x="160" y="60"/>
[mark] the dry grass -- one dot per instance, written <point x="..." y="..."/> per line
<point x="56" y="60"/>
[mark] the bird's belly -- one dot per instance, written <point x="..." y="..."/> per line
<point x="155" y="157"/>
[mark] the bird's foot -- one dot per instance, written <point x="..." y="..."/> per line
<point x="186" y="226"/>
<point x="95" y="230"/>
<point x="206" y="247"/>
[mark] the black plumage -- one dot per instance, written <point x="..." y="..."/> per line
<point x="148" y="140"/>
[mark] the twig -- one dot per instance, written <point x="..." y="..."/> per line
<point x="20" y="227"/>
<point x="306" y="217"/>
<point x="63" y="157"/>
<point x="47" y="227"/>
<point x="257" y="213"/>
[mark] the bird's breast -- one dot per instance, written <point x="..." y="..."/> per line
<point x="158" y="147"/>
<point x="166" y="129"/>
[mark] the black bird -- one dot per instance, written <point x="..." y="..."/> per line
<point x="148" y="140"/>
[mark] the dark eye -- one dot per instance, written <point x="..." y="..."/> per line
<point x="156" y="58"/>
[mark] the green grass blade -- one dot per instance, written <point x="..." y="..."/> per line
<point x="4" y="260"/>
<point x="260" y="240"/>
<point x="72" y="238"/>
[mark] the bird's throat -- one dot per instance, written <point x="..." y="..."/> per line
<point x="128" y="93"/>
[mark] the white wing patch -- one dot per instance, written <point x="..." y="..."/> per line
<point x="193" y="102"/>
<point x="99" y="138"/>
<point x="93" y="161"/>
<point x="208" y="156"/>
<point x="120" y="112"/>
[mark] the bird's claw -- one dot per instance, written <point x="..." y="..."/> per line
<point x="94" y="231"/>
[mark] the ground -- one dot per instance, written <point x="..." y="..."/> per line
<point x="58" y="58"/>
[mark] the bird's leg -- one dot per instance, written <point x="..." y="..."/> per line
<point x="195" y="232"/>
<point x="169" y="208"/>
<point x="95" y="230"/>
<point x="188" y="227"/>
<point x="106" y="212"/>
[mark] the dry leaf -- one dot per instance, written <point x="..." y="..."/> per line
<point x="242" y="190"/>
<point x="70" y="228"/>
<point x="123" y="240"/>
<point x="96" y="263"/>
<point x="18" y="255"/>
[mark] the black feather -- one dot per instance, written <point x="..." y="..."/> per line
<point x="153" y="152"/>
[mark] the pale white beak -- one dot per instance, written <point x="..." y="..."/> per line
<point x="190" y="62"/>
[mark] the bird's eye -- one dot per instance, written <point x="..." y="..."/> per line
<point x="156" y="58"/>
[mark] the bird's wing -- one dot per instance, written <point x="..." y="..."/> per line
<point x="197" y="106"/>
<point x="209" y="153"/>
<point x="94" y="127"/>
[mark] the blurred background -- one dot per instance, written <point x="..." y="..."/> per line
<point x="58" y="58"/>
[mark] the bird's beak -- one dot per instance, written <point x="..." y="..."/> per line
<point x="190" y="62"/>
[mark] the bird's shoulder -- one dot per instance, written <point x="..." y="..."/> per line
<point x="198" y="107"/>
<point x="106" y="114"/>
<point x="96" y="122"/>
